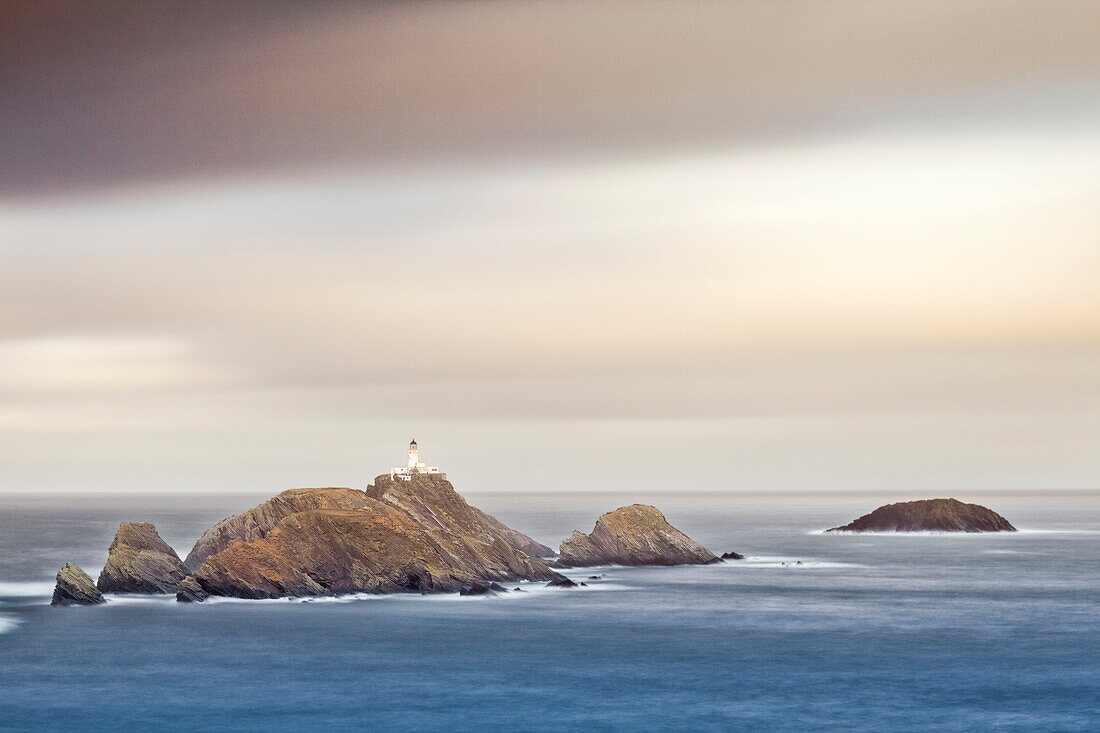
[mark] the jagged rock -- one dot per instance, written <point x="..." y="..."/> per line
<point x="594" y="577"/>
<point x="190" y="591"/>
<point x="139" y="561"/>
<point x="732" y="556"/>
<point x="481" y="589"/>
<point x="632" y="535"/>
<point x="255" y="523"/>
<point x="474" y="589"/>
<point x="562" y="582"/>
<point x="929" y="515"/>
<point x="75" y="588"/>
<point x="417" y="535"/>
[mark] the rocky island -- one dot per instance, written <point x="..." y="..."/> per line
<point x="929" y="515"/>
<point x="397" y="535"/>
<point x="408" y="531"/>
<point x="637" y="534"/>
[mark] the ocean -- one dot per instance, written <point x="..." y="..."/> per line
<point x="868" y="633"/>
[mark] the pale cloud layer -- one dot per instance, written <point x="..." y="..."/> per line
<point x="858" y="251"/>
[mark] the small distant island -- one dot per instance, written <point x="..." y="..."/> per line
<point x="409" y="531"/>
<point x="929" y="515"/>
<point x="633" y="535"/>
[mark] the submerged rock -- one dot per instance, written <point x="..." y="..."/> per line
<point x="481" y="589"/>
<point x="632" y="535"/>
<point x="75" y="588"/>
<point x="929" y="515"/>
<point x="474" y="589"/>
<point x="732" y="556"/>
<point x="417" y="535"/>
<point x="139" y="561"/>
<point x="562" y="582"/>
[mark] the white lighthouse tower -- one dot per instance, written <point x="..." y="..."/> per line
<point x="414" y="467"/>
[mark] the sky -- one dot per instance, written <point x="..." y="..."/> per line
<point x="575" y="246"/>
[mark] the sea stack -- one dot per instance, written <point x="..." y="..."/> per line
<point x="929" y="515"/>
<point x="75" y="588"/>
<point x="633" y="535"/>
<point x="139" y="561"/>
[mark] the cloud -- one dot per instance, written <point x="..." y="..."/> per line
<point x="75" y="364"/>
<point x="120" y="93"/>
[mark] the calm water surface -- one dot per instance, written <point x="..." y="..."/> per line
<point x="995" y="632"/>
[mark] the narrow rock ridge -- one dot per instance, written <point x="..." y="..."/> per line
<point x="637" y="534"/>
<point x="255" y="523"/>
<point x="434" y="502"/>
<point x="139" y="561"/>
<point x="929" y="515"/>
<point x="75" y="588"/>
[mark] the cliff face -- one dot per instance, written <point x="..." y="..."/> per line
<point x="75" y="588"/>
<point x="633" y="535"/>
<point x="255" y="523"/>
<point x="418" y="535"/>
<point x="929" y="515"/>
<point x="139" y="561"/>
<point x="435" y="504"/>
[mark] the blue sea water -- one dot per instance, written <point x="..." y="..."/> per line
<point x="875" y="633"/>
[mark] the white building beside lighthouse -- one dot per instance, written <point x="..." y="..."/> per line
<point x="414" y="466"/>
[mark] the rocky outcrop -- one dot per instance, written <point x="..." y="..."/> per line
<point x="255" y="523"/>
<point x="632" y="535"/>
<point x="75" y="588"/>
<point x="731" y="555"/>
<point x="139" y="561"/>
<point x="190" y="591"/>
<point x="929" y="515"/>
<point x="417" y="535"/>
<point x="481" y="589"/>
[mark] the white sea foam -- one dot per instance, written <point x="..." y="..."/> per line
<point x="1021" y="530"/>
<point x="7" y="623"/>
<point x="129" y="599"/>
<point x="26" y="589"/>
<point x="923" y="533"/>
<point x="794" y="563"/>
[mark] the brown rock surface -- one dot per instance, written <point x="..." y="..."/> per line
<point x="434" y="503"/>
<point x="139" y="561"/>
<point x="190" y="591"/>
<point x="632" y="535"/>
<point x="259" y="520"/>
<point x="75" y="588"/>
<point x="418" y="535"/>
<point x="929" y="515"/>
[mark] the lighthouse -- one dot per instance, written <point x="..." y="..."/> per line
<point x="414" y="467"/>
